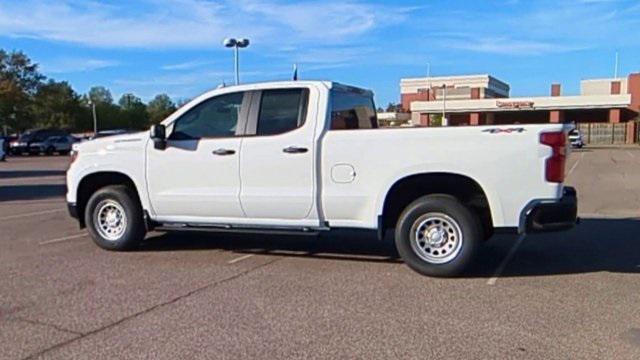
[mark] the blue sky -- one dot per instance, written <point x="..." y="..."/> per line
<point x="175" y="46"/>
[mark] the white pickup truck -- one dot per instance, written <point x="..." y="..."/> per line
<point x="308" y="156"/>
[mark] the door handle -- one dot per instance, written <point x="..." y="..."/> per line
<point x="223" y="152"/>
<point x="295" y="150"/>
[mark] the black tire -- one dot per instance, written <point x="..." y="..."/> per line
<point x="133" y="229"/>
<point x="50" y="150"/>
<point x="456" y="230"/>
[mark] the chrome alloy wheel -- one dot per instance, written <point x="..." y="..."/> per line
<point x="110" y="220"/>
<point x="436" y="238"/>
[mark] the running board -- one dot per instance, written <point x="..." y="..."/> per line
<point x="276" y="230"/>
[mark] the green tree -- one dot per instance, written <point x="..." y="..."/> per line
<point x="19" y="81"/>
<point x="100" y="95"/>
<point x="56" y="105"/>
<point x="182" y="102"/>
<point x="436" y="120"/>
<point x="394" y="107"/>
<point x="134" y="113"/>
<point x="160" y="107"/>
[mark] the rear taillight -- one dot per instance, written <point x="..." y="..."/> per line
<point x="554" y="168"/>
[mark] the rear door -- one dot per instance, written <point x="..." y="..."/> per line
<point x="277" y="166"/>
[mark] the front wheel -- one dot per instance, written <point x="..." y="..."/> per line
<point x="114" y="218"/>
<point x="436" y="235"/>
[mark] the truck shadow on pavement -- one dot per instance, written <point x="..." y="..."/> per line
<point x="595" y="245"/>
<point x="339" y="244"/>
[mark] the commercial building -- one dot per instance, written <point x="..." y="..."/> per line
<point x="484" y="100"/>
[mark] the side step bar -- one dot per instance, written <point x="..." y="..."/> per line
<point x="276" y="230"/>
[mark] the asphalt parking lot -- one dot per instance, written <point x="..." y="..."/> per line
<point x="226" y="296"/>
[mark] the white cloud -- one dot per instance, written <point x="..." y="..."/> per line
<point x="76" y="65"/>
<point x="535" y="27"/>
<point x="509" y="46"/>
<point x="187" y="65"/>
<point x="190" y="23"/>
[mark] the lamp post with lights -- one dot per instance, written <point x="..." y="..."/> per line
<point x="236" y="44"/>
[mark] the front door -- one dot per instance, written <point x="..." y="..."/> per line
<point x="277" y="163"/>
<point x="197" y="176"/>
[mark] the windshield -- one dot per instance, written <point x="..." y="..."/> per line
<point x="26" y="136"/>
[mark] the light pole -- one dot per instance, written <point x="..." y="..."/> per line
<point x="95" y="118"/>
<point x="236" y="44"/>
<point x="444" y="105"/>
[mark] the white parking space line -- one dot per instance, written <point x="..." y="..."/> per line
<point x="53" y="241"/>
<point x="238" y="259"/>
<point x="575" y="165"/>
<point x="31" y="214"/>
<point x="506" y="260"/>
<point x="630" y="154"/>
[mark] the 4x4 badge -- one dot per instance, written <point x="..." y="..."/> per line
<point x="504" y="130"/>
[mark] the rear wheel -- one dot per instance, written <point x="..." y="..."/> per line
<point x="50" y="150"/>
<point x="436" y="235"/>
<point x="114" y="218"/>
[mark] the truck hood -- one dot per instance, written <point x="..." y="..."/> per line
<point x="114" y="143"/>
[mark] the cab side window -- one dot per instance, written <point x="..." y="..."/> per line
<point x="214" y="117"/>
<point x="281" y="111"/>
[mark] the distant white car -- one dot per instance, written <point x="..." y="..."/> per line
<point x="2" y="153"/>
<point x="575" y="138"/>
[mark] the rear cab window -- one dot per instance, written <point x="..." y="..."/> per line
<point x="352" y="109"/>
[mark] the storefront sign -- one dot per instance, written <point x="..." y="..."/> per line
<point x="514" y="104"/>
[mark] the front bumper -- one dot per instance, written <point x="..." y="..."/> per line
<point x="558" y="215"/>
<point x="18" y="149"/>
<point x="73" y="210"/>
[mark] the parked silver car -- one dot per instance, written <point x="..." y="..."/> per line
<point x="55" y="144"/>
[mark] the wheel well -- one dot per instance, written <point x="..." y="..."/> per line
<point x="463" y="188"/>
<point x="93" y="182"/>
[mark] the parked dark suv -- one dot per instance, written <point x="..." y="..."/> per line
<point x="31" y="136"/>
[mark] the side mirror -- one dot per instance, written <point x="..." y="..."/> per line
<point x="158" y="134"/>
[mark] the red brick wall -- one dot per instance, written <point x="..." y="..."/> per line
<point x="614" y="116"/>
<point x="474" y="119"/>
<point x="633" y="88"/>
<point x="556" y="116"/>
<point x="406" y="99"/>
<point x="615" y="87"/>
<point x="424" y="120"/>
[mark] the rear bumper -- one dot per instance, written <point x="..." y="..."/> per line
<point x="553" y="215"/>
